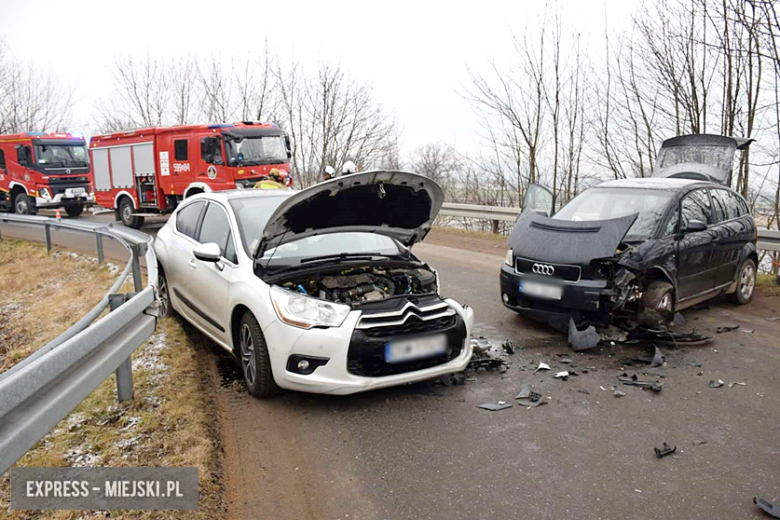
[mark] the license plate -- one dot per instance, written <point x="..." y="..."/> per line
<point x="415" y="348"/>
<point x="75" y="191"/>
<point x="541" y="290"/>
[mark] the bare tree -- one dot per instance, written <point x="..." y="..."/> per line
<point x="31" y="99"/>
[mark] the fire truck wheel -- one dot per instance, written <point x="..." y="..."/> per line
<point x="126" y="214"/>
<point x="24" y="205"/>
<point x="74" y="211"/>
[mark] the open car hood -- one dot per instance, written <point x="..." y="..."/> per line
<point x="703" y="157"/>
<point x="537" y="237"/>
<point x="401" y="205"/>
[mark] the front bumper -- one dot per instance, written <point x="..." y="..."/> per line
<point x="64" y="199"/>
<point x="338" y="375"/>
<point x="585" y="300"/>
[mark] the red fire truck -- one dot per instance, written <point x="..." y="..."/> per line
<point x="39" y="170"/>
<point x="147" y="172"/>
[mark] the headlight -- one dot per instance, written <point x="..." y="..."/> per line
<point x="239" y="186"/>
<point x="304" y="312"/>
<point x="508" y="260"/>
<point x="44" y="193"/>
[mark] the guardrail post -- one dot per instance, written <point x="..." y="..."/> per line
<point x="47" y="231"/>
<point x="137" y="268"/>
<point x="99" y="247"/>
<point x="124" y="372"/>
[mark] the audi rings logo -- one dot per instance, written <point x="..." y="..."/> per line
<point x="544" y="269"/>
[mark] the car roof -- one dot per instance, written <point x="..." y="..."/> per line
<point x="658" y="183"/>
<point x="228" y="195"/>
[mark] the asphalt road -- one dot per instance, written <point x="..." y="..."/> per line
<point x="424" y="451"/>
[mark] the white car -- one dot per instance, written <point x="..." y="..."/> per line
<point x="316" y="290"/>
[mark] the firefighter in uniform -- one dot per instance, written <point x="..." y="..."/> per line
<point x="274" y="181"/>
<point x="328" y="173"/>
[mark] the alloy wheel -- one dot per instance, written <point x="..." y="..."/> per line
<point x="248" y="354"/>
<point x="666" y="302"/>
<point x="747" y="281"/>
<point x="165" y="301"/>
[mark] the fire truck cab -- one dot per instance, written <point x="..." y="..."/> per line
<point x="40" y="170"/>
<point x="147" y="172"/>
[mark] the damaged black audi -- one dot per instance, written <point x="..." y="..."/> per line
<point x="632" y="252"/>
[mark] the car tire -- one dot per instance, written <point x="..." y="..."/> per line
<point x="165" y="298"/>
<point x="74" y="211"/>
<point x="24" y="204"/>
<point x="126" y="215"/>
<point x="746" y="283"/>
<point x="254" y="359"/>
<point x="657" y="304"/>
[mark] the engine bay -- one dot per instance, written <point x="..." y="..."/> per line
<point x="364" y="284"/>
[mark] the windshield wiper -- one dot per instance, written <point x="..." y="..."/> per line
<point x="342" y="256"/>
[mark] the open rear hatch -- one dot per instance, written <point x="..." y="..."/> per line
<point x="401" y="205"/>
<point x="703" y="157"/>
<point x="537" y="237"/>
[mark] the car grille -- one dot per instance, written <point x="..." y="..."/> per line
<point x="366" y="355"/>
<point x="413" y="325"/>
<point x="570" y="273"/>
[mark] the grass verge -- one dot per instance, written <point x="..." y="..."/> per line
<point x="42" y="295"/>
<point x="172" y="421"/>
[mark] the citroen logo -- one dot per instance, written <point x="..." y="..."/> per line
<point x="544" y="269"/>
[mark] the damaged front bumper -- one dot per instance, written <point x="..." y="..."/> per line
<point x="584" y="301"/>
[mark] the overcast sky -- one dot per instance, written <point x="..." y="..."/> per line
<point x="414" y="53"/>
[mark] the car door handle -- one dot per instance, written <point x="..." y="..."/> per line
<point x="192" y="263"/>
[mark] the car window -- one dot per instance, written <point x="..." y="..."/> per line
<point x="671" y="226"/>
<point x="737" y="204"/>
<point x="696" y="206"/>
<point x="2" y="160"/>
<point x="216" y="228"/>
<point x="230" y="250"/>
<point x="720" y="206"/>
<point x="187" y="218"/>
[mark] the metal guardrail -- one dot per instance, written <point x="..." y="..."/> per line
<point x="768" y="239"/>
<point x="452" y="209"/>
<point x="39" y="391"/>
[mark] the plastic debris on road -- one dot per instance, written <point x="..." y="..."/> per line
<point x="563" y="376"/>
<point x="767" y="507"/>
<point x="494" y="407"/>
<point x="542" y="366"/>
<point x="716" y="384"/>
<point x="737" y="383"/>
<point x="726" y="328"/>
<point x="664" y="451"/>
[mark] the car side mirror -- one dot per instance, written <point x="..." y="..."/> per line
<point x="695" y="225"/>
<point x="208" y="252"/>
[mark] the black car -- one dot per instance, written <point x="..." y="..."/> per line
<point x="632" y="252"/>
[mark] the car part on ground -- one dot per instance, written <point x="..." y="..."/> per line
<point x="580" y="340"/>
<point x="633" y="380"/>
<point x="664" y="451"/>
<point x="494" y="407"/>
<point x="767" y="507"/>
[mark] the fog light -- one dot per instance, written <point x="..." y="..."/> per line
<point x="505" y="297"/>
<point x="305" y="365"/>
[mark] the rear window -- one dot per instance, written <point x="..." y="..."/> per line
<point x="187" y="219"/>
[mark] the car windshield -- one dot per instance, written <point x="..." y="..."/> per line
<point x="332" y="244"/>
<point x="252" y="214"/>
<point x="608" y="203"/>
<point x="254" y="151"/>
<point x="61" y="155"/>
